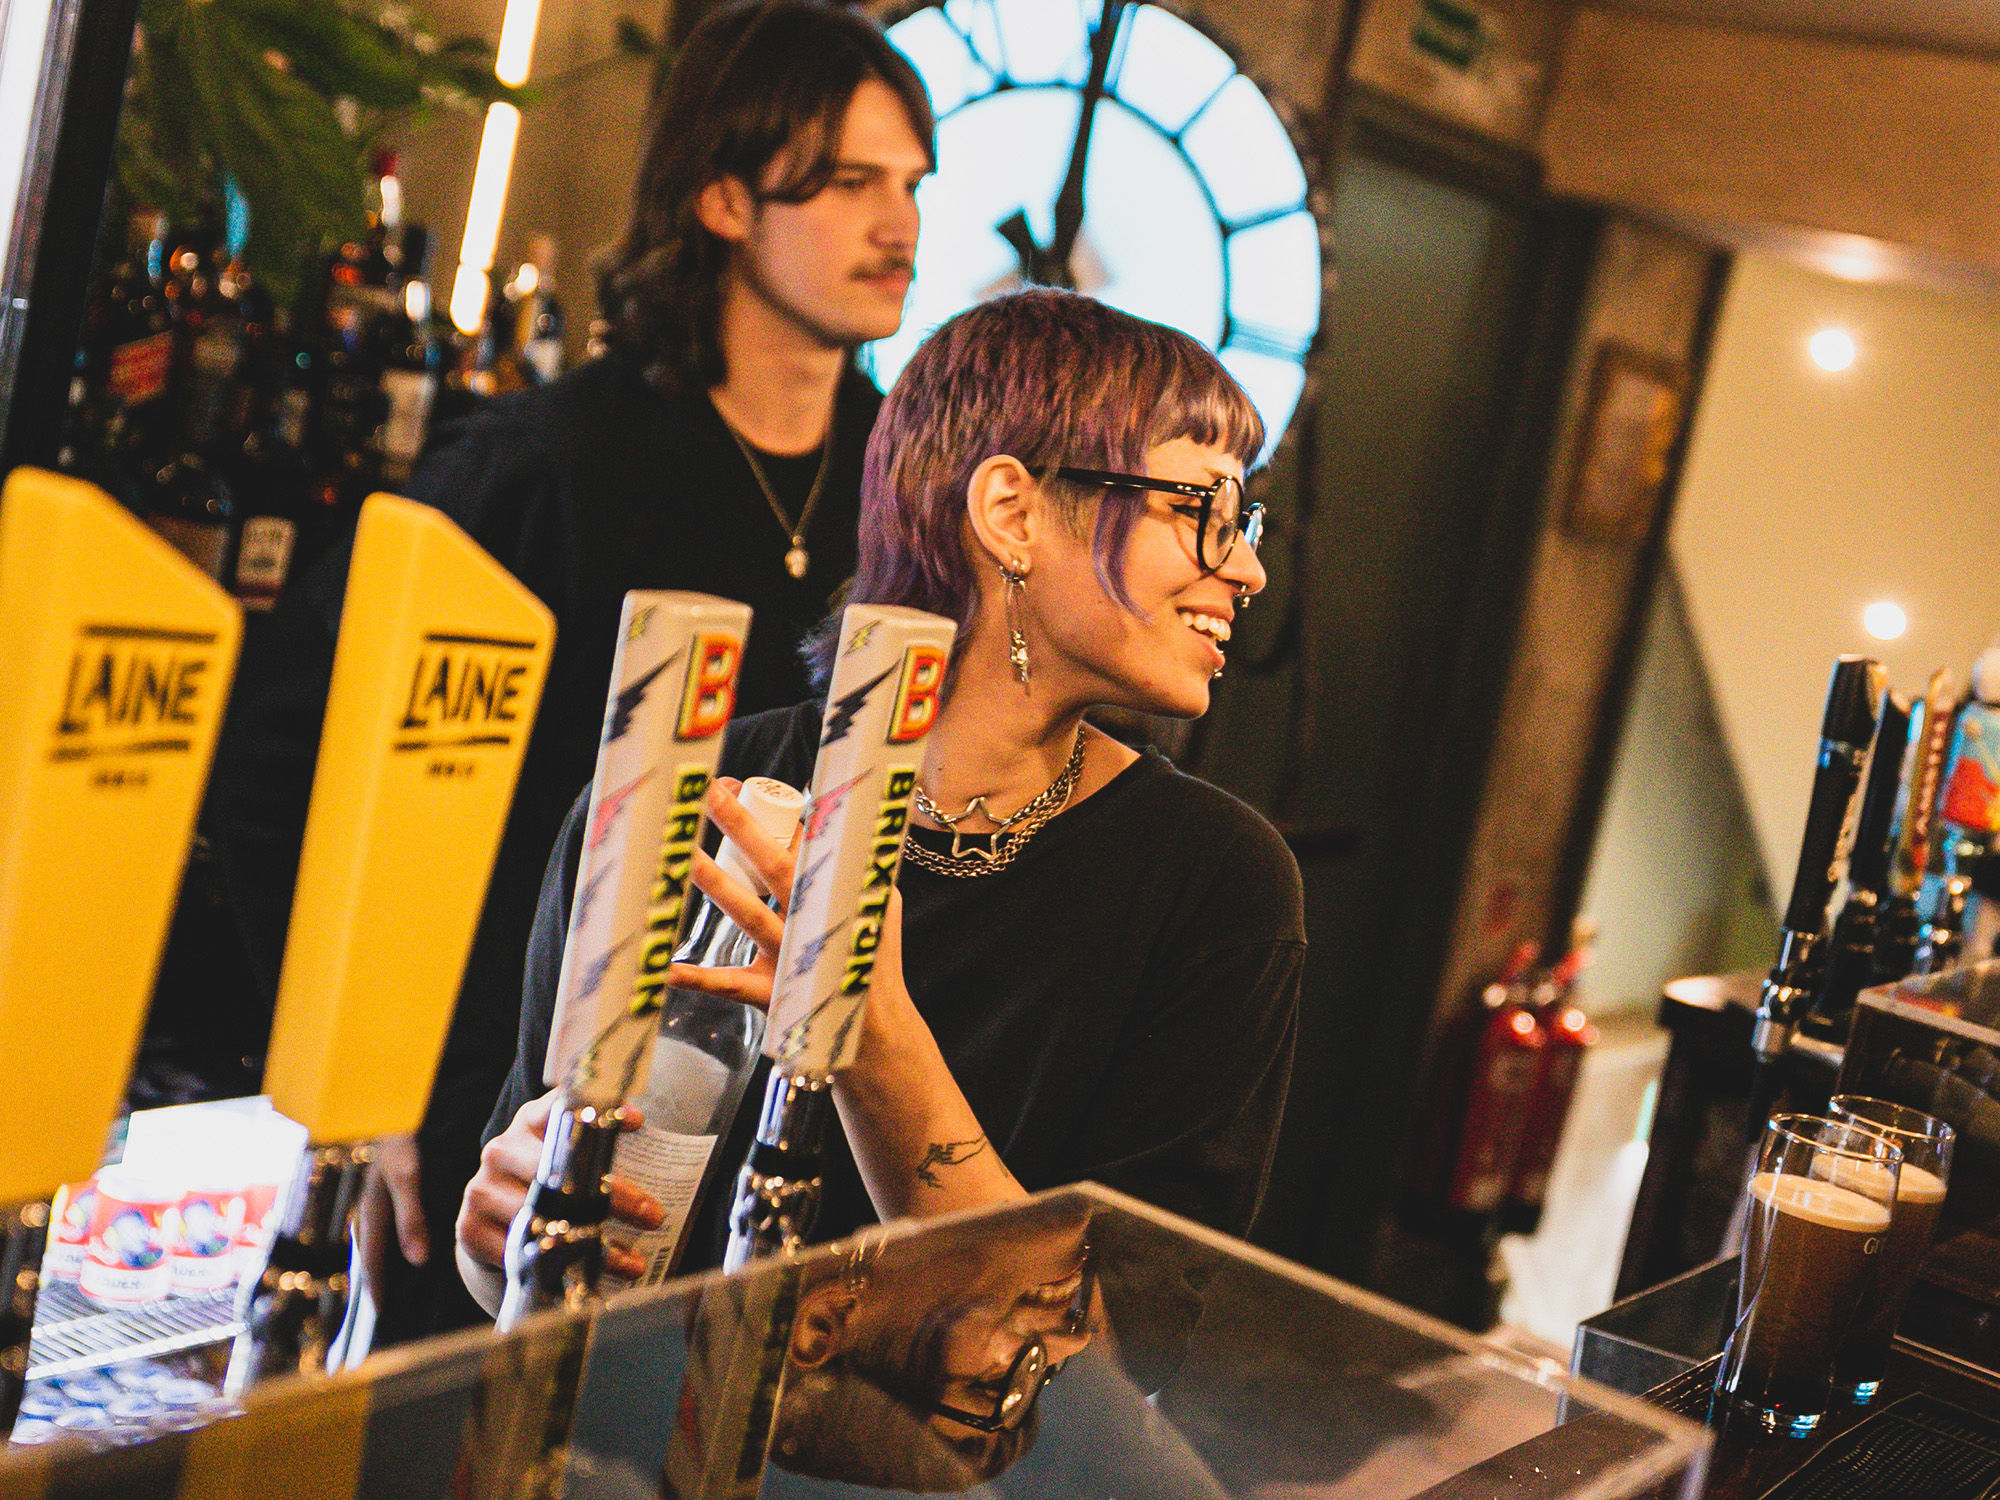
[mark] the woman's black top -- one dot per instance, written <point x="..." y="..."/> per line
<point x="1119" y="1004"/>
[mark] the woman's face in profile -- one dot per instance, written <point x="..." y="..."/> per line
<point x="1160" y="655"/>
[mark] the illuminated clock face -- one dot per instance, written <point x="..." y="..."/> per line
<point x="1141" y="168"/>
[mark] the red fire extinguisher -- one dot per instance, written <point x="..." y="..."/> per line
<point x="1568" y="1034"/>
<point x="1505" y="1064"/>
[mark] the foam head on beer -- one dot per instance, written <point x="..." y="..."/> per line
<point x="115" y="668"/>
<point x="436" y="678"/>
<point x="673" y="688"/>
<point x="887" y="686"/>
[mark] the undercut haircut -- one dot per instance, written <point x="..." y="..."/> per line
<point x="754" y="84"/>
<point x="1054" y="379"/>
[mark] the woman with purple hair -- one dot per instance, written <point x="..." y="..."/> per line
<point x="1096" y="970"/>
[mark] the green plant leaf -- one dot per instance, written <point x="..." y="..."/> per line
<point x="338" y="53"/>
<point x="299" y="170"/>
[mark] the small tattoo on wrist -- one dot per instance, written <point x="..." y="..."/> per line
<point x="947" y="1154"/>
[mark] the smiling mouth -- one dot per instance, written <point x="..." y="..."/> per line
<point x="1214" y="627"/>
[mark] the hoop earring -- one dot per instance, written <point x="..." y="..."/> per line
<point x="1015" y="574"/>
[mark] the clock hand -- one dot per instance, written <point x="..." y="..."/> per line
<point x="1050" y="267"/>
<point x="1069" y="202"/>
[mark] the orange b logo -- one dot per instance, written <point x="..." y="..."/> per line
<point x="711" y="686"/>
<point x="917" y="694"/>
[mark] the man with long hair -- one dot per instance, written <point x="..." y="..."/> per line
<point x="716" y="446"/>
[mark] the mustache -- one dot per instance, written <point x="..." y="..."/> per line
<point x="887" y="266"/>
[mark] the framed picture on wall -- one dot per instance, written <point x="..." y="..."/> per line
<point x="1631" y="419"/>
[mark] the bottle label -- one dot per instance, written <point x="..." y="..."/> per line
<point x="140" y="369"/>
<point x="409" y="418"/>
<point x="263" y="559"/>
<point x="669" y="1167"/>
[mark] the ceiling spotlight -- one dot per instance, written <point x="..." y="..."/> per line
<point x="1884" y="621"/>
<point x="1831" y="348"/>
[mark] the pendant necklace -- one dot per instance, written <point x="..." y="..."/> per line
<point x="1009" y="833"/>
<point x="796" y="560"/>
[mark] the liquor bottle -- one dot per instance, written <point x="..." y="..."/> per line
<point x="1850" y="949"/>
<point x="541" y="317"/>
<point x="703" y="1057"/>
<point x="409" y="363"/>
<point x="1568" y="1034"/>
<point x="129" y="360"/>
<point x="1505" y="1065"/>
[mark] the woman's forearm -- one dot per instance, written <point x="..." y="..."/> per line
<point x="921" y="1150"/>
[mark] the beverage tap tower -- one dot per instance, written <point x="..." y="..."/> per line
<point x="118" y="663"/>
<point x="436" y="678"/>
<point x="1846" y="729"/>
<point x="888" y="678"/>
<point x="673" y="687"/>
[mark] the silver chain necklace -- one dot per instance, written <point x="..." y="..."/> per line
<point x="1009" y="833"/>
<point x="796" y="560"/>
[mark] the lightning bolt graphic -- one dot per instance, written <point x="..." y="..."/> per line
<point x="840" y="717"/>
<point x="862" y="637"/>
<point x="826" y="805"/>
<point x="608" y="810"/>
<point x="804" y="883"/>
<point x="588" y="895"/>
<point x="600" y="966"/>
<point x="629" y="699"/>
<point x="810" y="951"/>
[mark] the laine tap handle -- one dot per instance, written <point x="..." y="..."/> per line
<point x="116" y="665"/>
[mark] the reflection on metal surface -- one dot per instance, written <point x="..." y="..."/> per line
<point x="73" y="1334"/>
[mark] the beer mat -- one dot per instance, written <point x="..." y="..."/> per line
<point x="1918" y="1446"/>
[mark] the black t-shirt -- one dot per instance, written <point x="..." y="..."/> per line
<point x="1118" y="1004"/>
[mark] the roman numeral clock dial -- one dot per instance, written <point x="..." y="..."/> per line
<point x="1111" y="147"/>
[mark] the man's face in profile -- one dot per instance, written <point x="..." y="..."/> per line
<point x="838" y="266"/>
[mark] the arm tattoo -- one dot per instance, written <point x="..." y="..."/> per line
<point x="947" y="1154"/>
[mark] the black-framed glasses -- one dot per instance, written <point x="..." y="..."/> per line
<point x="1015" y="1392"/>
<point x="1219" y="513"/>
<point x="1015" y="1396"/>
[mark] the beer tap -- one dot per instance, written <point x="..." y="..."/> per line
<point x="1899" y="929"/>
<point x="1845" y="730"/>
<point x="888" y="680"/>
<point x="673" y="687"/>
<point x="1968" y="812"/>
<point x="436" y="677"/>
<point x="116" y="671"/>
<point x="1850" y="952"/>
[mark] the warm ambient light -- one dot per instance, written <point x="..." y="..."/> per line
<point x="517" y="42"/>
<point x="482" y="215"/>
<point x="1884" y="620"/>
<point x="1831" y="349"/>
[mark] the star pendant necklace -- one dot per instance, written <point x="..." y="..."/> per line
<point x="797" y="560"/>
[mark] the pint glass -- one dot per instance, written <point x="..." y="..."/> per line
<point x="1819" y="1211"/>
<point x="1926" y="1144"/>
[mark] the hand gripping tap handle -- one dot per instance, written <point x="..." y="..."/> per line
<point x="673" y="689"/>
<point x="1845" y="731"/>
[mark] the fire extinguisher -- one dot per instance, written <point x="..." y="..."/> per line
<point x="1505" y="1064"/>
<point x="1567" y="1034"/>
